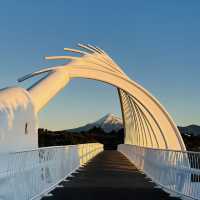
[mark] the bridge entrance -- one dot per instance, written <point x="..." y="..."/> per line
<point x="96" y="126"/>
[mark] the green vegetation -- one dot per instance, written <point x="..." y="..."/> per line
<point x="54" y="138"/>
<point x="110" y="140"/>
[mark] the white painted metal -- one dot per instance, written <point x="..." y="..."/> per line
<point x="18" y="120"/>
<point x="31" y="174"/>
<point x="55" y="80"/>
<point x="177" y="172"/>
<point x="146" y="121"/>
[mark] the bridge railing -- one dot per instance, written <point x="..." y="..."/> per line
<point x="177" y="172"/>
<point x="31" y="174"/>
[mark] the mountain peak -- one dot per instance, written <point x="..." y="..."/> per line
<point x="108" y="123"/>
<point x="109" y="118"/>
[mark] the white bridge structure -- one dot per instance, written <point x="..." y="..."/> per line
<point x="152" y="141"/>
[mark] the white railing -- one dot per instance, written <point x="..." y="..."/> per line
<point x="31" y="174"/>
<point x="177" y="172"/>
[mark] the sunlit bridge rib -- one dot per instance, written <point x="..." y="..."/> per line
<point x="61" y="58"/>
<point x="75" y="51"/>
<point x="46" y="70"/>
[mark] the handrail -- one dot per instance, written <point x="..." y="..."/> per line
<point x="177" y="172"/>
<point x="30" y="174"/>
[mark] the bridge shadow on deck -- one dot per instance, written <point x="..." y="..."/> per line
<point x="109" y="175"/>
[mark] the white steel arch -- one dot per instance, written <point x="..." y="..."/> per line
<point x="146" y="122"/>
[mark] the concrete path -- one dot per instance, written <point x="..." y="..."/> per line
<point x="108" y="176"/>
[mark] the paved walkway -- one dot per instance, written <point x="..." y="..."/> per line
<point x="108" y="176"/>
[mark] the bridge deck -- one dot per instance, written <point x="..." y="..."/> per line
<point x="109" y="175"/>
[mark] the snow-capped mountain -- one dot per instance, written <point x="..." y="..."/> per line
<point x="108" y="123"/>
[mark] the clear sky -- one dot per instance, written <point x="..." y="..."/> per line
<point x="156" y="42"/>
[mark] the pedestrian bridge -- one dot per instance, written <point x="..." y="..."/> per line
<point x="153" y="160"/>
<point x="109" y="175"/>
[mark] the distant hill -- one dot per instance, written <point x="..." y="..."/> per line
<point x="109" y="131"/>
<point x="191" y="130"/>
<point x="108" y="123"/>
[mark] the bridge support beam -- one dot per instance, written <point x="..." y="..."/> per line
<point x="146" y="121"/>
<point x="46" y="88"/>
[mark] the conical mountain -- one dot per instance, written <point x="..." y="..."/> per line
<point x="108" y="123"/>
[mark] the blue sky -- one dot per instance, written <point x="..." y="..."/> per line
<point x="156" y="42"/>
